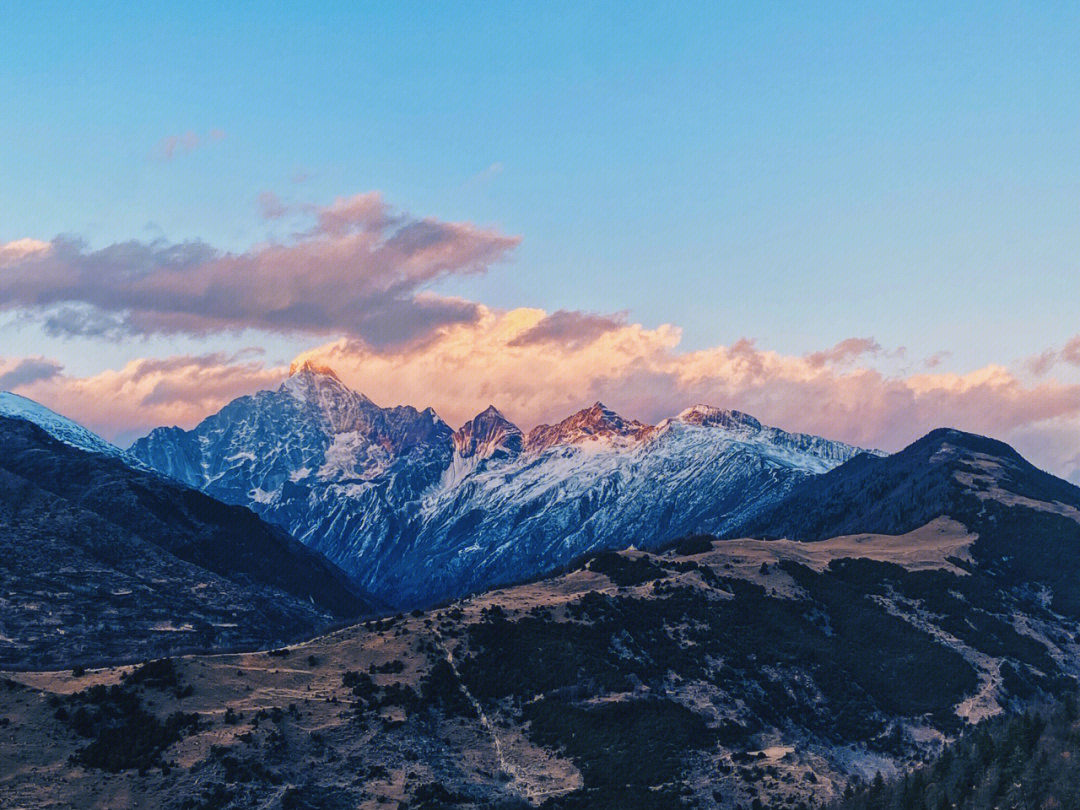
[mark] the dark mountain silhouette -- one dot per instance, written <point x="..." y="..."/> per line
<point x="103" y="561"/>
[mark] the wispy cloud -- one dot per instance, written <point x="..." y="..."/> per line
<point x="271" y="205"/>
<point x="845" y="352"/>
<point x="171" y="146"/>
<point x="569" y="329"/>
<point x="27" y="371"/>
<point x="1044" y="362"/>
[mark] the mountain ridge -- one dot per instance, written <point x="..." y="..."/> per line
<point x="418" y="512"/>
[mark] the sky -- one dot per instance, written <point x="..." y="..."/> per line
<point x="860" y="220"/>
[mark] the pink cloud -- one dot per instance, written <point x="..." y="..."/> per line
<point x="1070" y="353"/>
<point x="640" y="372"/>
<point x="362" y="270"/>
<point x="936" y="359"/>
<point x="1040" y="364"/>
<point x="144" y="393"/>
<point x="271" y="206"/>
<point x="846" y="351"/>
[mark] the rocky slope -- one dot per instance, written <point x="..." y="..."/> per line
<point x="418" y="513"/>
<point x="713" y="674"/>
<point x="100" y="560"/>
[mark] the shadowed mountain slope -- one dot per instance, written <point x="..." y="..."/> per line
<point x="101" y="561"/>
<point x="936" y="475"/>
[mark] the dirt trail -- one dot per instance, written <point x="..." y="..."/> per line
<point x="504" y="764"/>
<point x="521" y="779"/>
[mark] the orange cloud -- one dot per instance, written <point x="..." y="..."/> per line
<point x="641" y="373"/>
<point x="638" y="371"/>
<point x="124" y="403"/>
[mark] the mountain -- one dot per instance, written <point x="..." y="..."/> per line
<point x="102" y="561"/>
<point x="59" y="427"/>
<point x="903" y="603"/>
<point x="1003" y="764"/>
<point x="419" y="513"/>
<point x="595" y="424"/>
<point x="896" y="493"/>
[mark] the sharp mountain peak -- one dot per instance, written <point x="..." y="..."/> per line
<point x="311" y="367"/>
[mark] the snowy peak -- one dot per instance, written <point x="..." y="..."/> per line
<point x="708" y="416"/>
<point x="488" y="434"/>
<point x="417" y="511"/>
<point x="318" y="387"/>
<point x="311" y="368"/>
<point x="314" y="383"/>
<point x="593" y="424"/>
<point x="59" y="427"/>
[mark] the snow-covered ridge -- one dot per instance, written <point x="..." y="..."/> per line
<point x="416" y="511"/>
<point x="59" y="427"/>
<point x="596" y="424"/>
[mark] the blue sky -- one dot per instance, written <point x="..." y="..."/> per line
<point x="795" y="173"/>
<point x="863" y="176"/>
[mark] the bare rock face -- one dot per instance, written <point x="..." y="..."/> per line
<point x="596" y="424"/>
<point x="489" y="434"/>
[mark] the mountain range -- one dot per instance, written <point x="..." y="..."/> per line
<point x="859" y="624"/>
<point x="417" y="512"/>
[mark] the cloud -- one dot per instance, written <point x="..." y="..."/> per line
<point x="20" y="249"/>
<point x="83" y="321"/>
<point x="271" y="206"/>
<point x="1041" y="364"/>
<point x="539" y="367"/>
<point x="500" y="358"/>
<point x="143" y="394"/>
<point x="844" y="352"/>
<point x="173" y="145"/>
<point x="936" y="359"/>
<point x="569" y="329"/>
<point x="361" y="270"/>
<point x="28" y="370"/>
<point x="1070" y="353"/>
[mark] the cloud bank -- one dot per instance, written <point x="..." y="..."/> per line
<point x="538" y="367"/>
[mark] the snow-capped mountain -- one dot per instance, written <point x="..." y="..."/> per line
<point x="417" y="512"/>
<point x="59" y="427"/>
